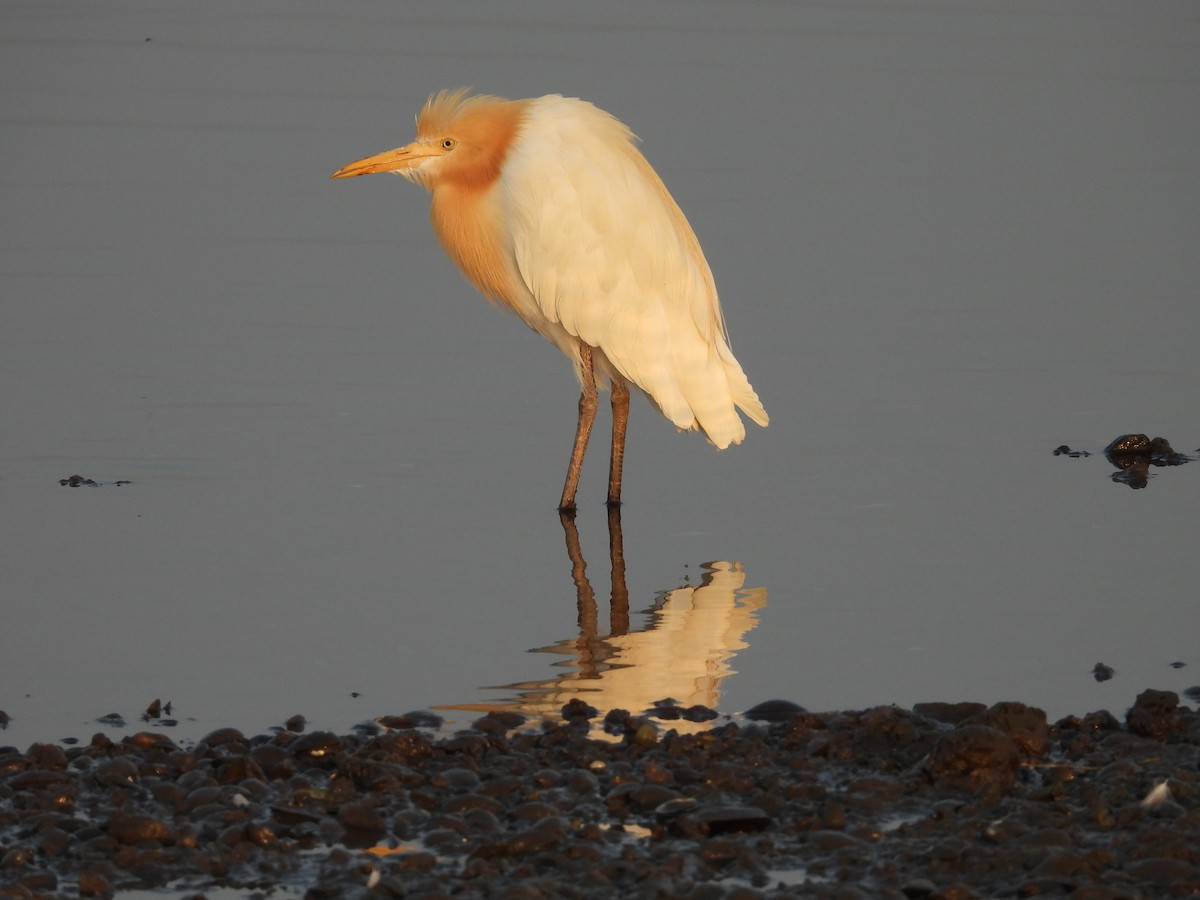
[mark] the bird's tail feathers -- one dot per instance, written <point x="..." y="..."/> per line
<point x="694" y="394"/>
<point x="744" y="396"/>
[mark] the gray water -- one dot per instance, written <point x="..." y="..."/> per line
<point x="949" y="237"/>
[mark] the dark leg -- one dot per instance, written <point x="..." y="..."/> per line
<point x="620" y="415"/>
<point x="619" y="610"/>
<point x="583" y="430"/>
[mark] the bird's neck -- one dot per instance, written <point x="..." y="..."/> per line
<point x="469" y="225"/>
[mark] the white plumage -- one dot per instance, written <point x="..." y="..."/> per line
<point x="607" y="256"/>
<point x="550" y="210"/>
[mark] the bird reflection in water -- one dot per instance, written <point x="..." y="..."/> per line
<point x="683" y="652"/>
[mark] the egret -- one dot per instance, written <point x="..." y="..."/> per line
<point x="551" y="211"/>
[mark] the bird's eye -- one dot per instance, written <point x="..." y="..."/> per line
<point x="449" y="143"/>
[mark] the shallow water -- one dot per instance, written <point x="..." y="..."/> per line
<point x="949" y="237"/>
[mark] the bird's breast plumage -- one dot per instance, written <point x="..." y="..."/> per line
<point x="470" y="226"/>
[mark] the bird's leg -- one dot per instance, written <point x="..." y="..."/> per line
<point x="620" y="417"/>
<point x="583" y="430"/>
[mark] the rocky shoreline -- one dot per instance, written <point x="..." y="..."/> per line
<point x="942" y="801"/>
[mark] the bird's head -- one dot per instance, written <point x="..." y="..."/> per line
<point x="460" y="139"/>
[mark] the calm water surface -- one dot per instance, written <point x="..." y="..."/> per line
<point x="948" y="236"/>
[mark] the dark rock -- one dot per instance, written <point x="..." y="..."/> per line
<point x="732" y="819"/>
<point x="667" y="712"/>
<point x="1026" y="725"/>
<point x="1133" y="454"/>
<point x="499" y="722"/>
<point x="34" y="779"/>
<point x="1128" y="443"/>
<point x="618" y="721"/>
<point x="698" y="713"/>
<point x="223" y="737"/>
<point x="148" y="740"/>
<point x="1101" y="721"/>
<point x="919" y="887"/>
<point x="129" y="828"/>
<point x="577" y="709"/>
<point x="401" y="747"/>
<point x="236" y="769"/>
<point x="76" y="481"/>
<point x="94" y="884"/>
<point x="974" y="758"/>
<point x="117" y="772"/>
<point x="47" y="756"/>
<point x="1153" y="715"/>
<point x="882" y="802"/>
<point x="826" y="841"/>
<point x="317" y="745"/>
<point x="948" y="713"/>
<point x="416" y="719"/>
<point x="361" y="817"/>
<point x="1163" y="871"/>
<point x="774" y="711"/>
<point x="273" y="761"/>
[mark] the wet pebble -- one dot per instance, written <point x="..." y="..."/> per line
<point x="774" y="711"/>
<point x="950" y="713"/>
<point x="1153" y="715"/>
<point x="94" y="884"/>
<point x="1025" y="725"/>
<point x="1165" y="872"/>
<point x="317" y="745"/>
<point x="975" y="758"/>
<point x="361" y="817"/>
<point x="223" y="737"/>
<point x="945" y="800"/>
<point x="117" y="772"/>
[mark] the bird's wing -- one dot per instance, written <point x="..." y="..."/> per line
<point x="607" y="255"/>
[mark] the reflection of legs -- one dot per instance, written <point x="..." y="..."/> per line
<point x="620" y="415"/>
<point x="584" y="594"/>
<point x="583" y="430"/>
<point x="619" y="611"/>
<point x="586" y="597"/>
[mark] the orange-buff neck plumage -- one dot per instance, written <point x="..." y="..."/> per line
<point x="551" y="211"/>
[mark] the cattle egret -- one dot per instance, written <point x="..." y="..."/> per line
<point x="551" y="211"/>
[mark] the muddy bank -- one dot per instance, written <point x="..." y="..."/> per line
<point x="945" y="801"/>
